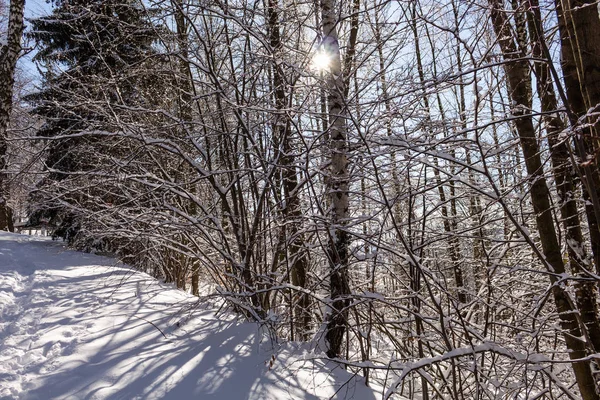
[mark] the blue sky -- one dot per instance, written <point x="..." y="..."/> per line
<point x="33" y="9"/>
<point x="36" y="8"/>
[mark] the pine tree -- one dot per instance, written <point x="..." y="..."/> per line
<point x="94" y="53"/>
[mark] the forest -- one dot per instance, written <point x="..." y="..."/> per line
<point x="410" y="185"/>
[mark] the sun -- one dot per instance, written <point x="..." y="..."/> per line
<point x="321" y="61"/>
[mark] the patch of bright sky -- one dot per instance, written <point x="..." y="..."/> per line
<point x="33" y="9"/>
<point x="37" y="8"/>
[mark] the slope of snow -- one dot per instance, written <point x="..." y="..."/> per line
<point x="75" y="326"/>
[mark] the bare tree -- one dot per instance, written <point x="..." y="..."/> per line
<point x="399" y="197"/>
<point x="518" y="75"/>
<point x="338" y="180"/>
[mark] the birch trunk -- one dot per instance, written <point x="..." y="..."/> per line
<point x="338" y="182"/>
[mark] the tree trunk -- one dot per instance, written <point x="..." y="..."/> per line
<point x="585" y="288"/>
<point x="338" y="182"/>
<point x="579" y="27"/>
<point x="185" y="114"/>
<point x="519" y="86"/>
<point x="9" y="54"/>
<point x="285" y="152"/>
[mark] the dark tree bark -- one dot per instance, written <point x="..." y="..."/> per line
<point x="579" y="26"/>
<point x="519" y="86"/>
<point x="298" y="259"/>
<point x="9" y="54"/>
<point x="585" y="288"/>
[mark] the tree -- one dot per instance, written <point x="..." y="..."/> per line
<point x="399" y="196"/>
<point x="92" y="52"/>
<point x="579" y="43"/>
<point x="9" y="54"/>
<point x="283" y="142"/>
<point x="338" y="181"/>
<point x="519" y="86"/>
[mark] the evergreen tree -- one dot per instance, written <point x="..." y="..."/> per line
<point x="96" y="55"/>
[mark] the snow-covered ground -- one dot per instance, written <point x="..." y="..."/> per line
<point x="75" y="326"/>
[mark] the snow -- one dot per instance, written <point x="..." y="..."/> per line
<point x="78" y="326"/>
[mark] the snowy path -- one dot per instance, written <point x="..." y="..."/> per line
<point x="73" y="326"/>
